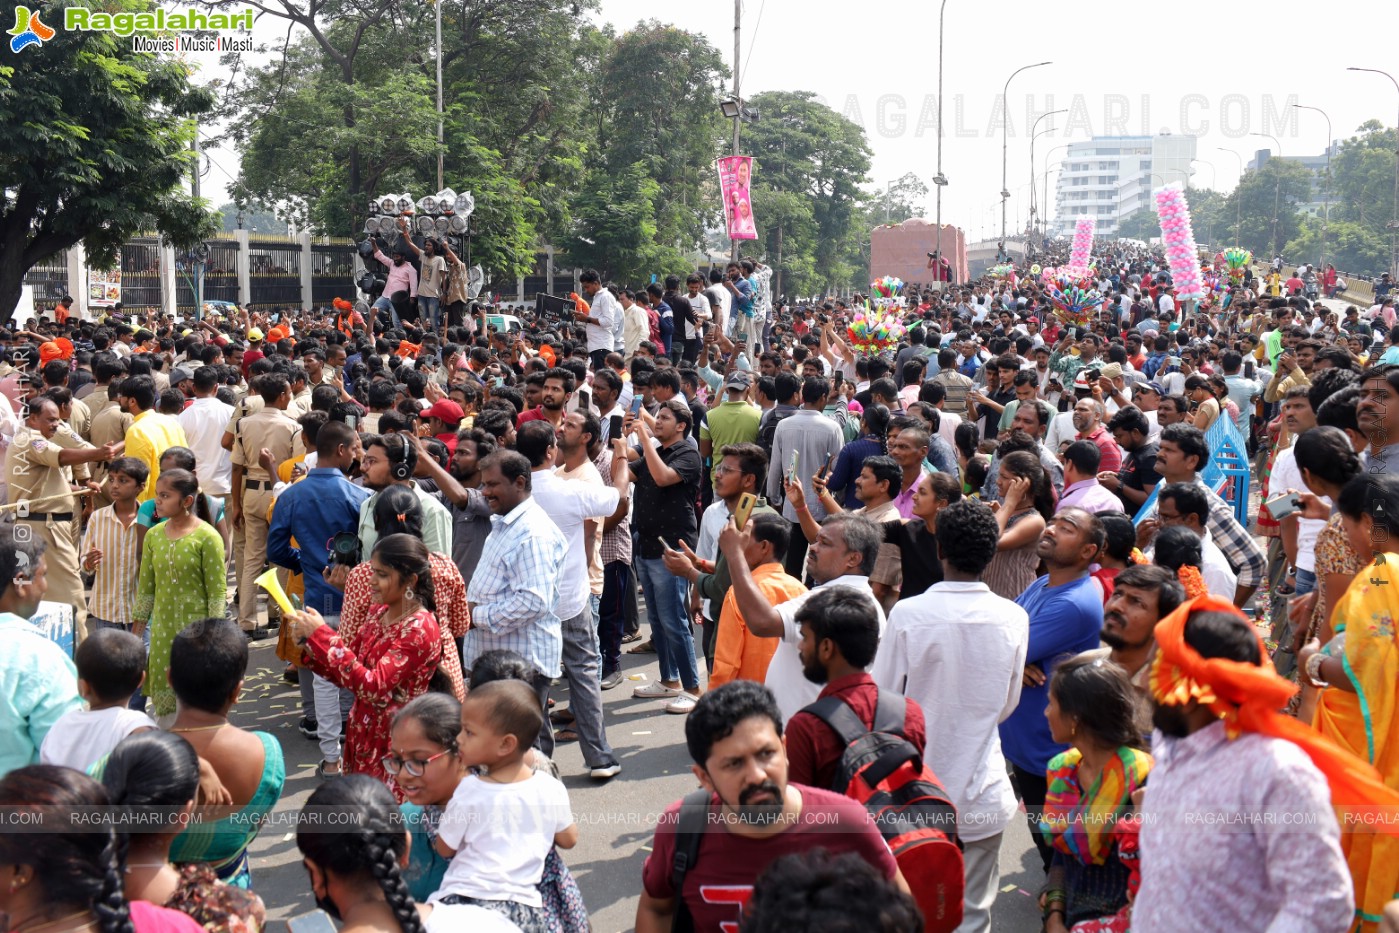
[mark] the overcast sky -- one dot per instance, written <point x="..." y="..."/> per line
<point x="1113" y="70"/>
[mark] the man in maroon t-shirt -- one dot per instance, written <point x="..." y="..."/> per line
<point x="734" y="735"/>
<point x="840" y="635"/>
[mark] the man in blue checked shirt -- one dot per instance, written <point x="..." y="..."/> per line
<point x="514" y="593"/>
<point x="313" y="511"/>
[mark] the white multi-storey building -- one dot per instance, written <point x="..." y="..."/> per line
<point x="1110" y="178"/>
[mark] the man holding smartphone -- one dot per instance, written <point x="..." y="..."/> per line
<point x="667" y="476"/>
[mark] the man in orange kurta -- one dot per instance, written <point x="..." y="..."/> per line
<point x="738" y="653"/>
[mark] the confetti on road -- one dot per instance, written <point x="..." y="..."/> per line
<point x="1008" y="888"/>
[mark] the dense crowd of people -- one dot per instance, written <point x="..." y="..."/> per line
<point x="995" y="565"/>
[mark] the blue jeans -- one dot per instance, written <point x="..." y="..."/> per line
<point x="1306" y="581"/>
<point x="431" y="310"/>
<point x="382" y="303"/>
<point x="670" y="625"/>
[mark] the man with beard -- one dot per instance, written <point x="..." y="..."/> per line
<point x="1066" y="615"/>
<point x="959" y="646"/>
<point x="1088" y="422"/>
<point x="402" y="276"/>
<point x="840" y="635"/>
<point x="553" y="399"/>
<point x="753" y="815"/>
<point x="1142" y="595"/>
<point x="390" y="459"/>
<point x="1225" y="762"/>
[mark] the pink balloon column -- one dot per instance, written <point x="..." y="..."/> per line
<point x="1179" y="240"/>
<point x="1083" y="243"/>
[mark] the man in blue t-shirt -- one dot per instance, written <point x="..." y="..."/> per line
<point x="1066" y="615"/>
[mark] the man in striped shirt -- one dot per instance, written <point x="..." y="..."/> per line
<point x="111" y="551"/>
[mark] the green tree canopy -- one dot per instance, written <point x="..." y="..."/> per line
<point x="1273" y="191"/>
<point x="806" y="149"/>
<point x="97" y="146"/>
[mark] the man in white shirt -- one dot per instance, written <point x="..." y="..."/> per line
<point x="204" y="422"/>
<point x="636" y="325"/>
<point x="842" y="555"/>
<point x="1166" y="302"/>
<point x="570" y="505"/>
<point x="600" y="318"/>
<point x="720" y="301"/>
<point x="958" y="650"/>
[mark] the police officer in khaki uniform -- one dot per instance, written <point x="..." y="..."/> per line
<point x="271" y="429"/>
<point x="40" y="489"/>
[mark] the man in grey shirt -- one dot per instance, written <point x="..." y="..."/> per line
<point x="816" y="440"/>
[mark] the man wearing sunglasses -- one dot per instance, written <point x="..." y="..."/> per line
<point x="313" y="511"/>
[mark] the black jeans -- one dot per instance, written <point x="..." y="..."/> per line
<point x="795" y="564"/>
<point x="612" y="613"/>
<point x="1033" y="789"/>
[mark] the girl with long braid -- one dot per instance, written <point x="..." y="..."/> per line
<point x="62" y="872"/>
<point x="354" y="842"/>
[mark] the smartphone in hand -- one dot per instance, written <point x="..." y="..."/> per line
<point x="614" y="427"/>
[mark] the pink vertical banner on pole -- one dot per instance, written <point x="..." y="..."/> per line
<point x="735" y="173"/>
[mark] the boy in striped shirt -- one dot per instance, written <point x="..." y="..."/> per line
<point x="111" y="550"/>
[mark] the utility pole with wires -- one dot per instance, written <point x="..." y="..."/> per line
<point x="437" y="4"/>
<point x="738" y="98"/>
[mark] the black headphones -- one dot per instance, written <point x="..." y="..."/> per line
<point x="398" y="463"/>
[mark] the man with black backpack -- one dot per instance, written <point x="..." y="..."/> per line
<point x="710" y="848"/>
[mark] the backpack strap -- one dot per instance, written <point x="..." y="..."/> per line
<point x="689" y="831"/>
<point x="890" y="714"/>
<point x="837" y="714"/>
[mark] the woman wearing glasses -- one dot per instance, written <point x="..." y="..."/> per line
<point x="426" y="769"/>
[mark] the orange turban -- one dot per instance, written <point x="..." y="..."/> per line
<point x="340" y="304"/>
<point x="406" y="349"/>
<point x="60" y="349"/>
<point x="277" y="333"/>
<point x="1247" y="697"/>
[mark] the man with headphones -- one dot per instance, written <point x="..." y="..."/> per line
<point x="390" y="459"/>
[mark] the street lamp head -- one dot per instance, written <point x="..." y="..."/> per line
<point x="939" y="179"/>
<point x="731" y="108"/>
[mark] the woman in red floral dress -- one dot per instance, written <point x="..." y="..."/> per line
<point x="388" y="660"/>
<point x="396" y="511"/>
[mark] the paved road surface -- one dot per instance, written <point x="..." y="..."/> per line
<point x="615" y="817"/>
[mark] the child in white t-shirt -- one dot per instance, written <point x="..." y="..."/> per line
<point x="500" y="822"/>
<point x="111" y="667"/>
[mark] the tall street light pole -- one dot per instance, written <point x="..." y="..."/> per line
<point x="1326" y="211"/>
<point x="1394" y="223"/>
<point x="438" y="13"/>
<point x="1033" y="137"/>
<point x="1238" y="195"/>
<point x="940" y="180"/>
<point x="1277" y="190"/>
<point x="1005" y="142"/>
<point x="738" y="99"/>
<point x="1034" y="210"/>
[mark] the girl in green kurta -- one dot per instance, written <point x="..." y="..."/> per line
<point x="182" y="576"/>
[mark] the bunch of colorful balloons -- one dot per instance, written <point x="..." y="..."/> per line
<point x="887" y="287"/>
<point x="1002" y="271"/>
<point x="1074" y="305"/>
<point x="1083" y="243"/>
<point x="1179" y="240"/>
<point x="1237" y="260"/>
<point x="1064" y="277"/>
<point x="869" y="334"/>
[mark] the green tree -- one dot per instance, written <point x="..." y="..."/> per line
<point x="97" y="146"/>
<point x="806" y="149"/>
<point x="1352" y="247"/>
<point x="346" y="109"/>
<point x="1141" y="224"/>
<point x="1362" y="189"/>
<point x="898" y="201"/>
<point x="1267" y="201"/>
<point x="616" y="227"/>
<point x="656" y="103"/>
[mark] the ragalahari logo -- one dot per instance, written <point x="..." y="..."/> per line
<point x="29" y="30"/>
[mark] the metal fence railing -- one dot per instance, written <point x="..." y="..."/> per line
<point x="333" y="271"/>
<point x="140" y="273"/>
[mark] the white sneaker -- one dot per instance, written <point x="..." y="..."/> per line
<point x="605" y="772"/>
<point x="655" y="691"/>
<point x="683" y="703"/>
